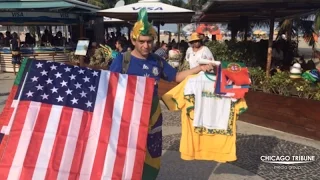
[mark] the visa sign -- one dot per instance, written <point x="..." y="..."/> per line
<point x="148" y="8"/>
<point x="64" y="15"/>
<point x="17" y="14"/>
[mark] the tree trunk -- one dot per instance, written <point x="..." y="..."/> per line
<point x="289" y="32"/>
<point x="270" y="47"/>
<point x="234" y="33"/>
<point x="246" y="33"/>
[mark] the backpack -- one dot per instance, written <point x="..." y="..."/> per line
<point x="126" y="61"/>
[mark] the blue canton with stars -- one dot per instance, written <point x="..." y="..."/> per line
<point x="61" y="84"/>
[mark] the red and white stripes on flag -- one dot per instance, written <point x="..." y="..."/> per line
<point x="58" y="142"/>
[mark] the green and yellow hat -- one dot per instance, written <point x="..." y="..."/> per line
<point x="143" y="26"/>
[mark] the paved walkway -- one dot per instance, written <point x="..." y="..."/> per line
<point x="252" y="142"/>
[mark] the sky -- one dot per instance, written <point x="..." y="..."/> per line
<point x="169" y="27"/>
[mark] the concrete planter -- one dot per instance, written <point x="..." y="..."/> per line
<point x="288" y="114"/>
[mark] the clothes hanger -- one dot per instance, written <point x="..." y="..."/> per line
<point x="205" y="61"/>
<point x="213" y="71"/>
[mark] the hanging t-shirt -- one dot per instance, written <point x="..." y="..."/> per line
<point x="193" y="145"/>
<point x="210" y="111"/>
<point x="203" y="53"/>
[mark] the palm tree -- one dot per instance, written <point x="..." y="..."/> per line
<point x="166" y="1"/>
<point x="101" y="3"/>
<point x="98" y="3"/>
<point x="307" y="27"/>
<point x="195" y="4"/>
<point x="130" y="1"/>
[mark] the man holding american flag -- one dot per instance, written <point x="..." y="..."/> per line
<point x="68" y="122"/>
<point x="143" y="63"/>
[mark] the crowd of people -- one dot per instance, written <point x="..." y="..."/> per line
<point x="13" y="41"/>
<point x="47" y="39"/>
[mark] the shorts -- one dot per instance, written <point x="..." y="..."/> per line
<point x="16" y="59"/>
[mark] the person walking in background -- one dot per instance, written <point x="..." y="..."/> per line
<point x="120" y="46"/>
<point x="15" y="51"/>
<point x="46" y="39"/>
<point x="277" y="55"/>
<point x="156" y="46"/>
<point x="163" y="51"/>
<point x="7" y="39"/>
<point x="197" y="50"/>
<point x="29" y="41"/>
<point x="1" y="40"/>
<point x="175" y="56"/>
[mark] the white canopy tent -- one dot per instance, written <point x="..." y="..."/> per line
<point x="111" y="20"/>
<point x="157" y="12"/>
<point x="114" y="20"/>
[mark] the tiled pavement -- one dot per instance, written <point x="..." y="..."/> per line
<point x="249" y="150"/>
<point x="252" y="143"/>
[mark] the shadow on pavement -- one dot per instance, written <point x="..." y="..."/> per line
<point x="250" y="148"/>
<point x="173" y="167"/>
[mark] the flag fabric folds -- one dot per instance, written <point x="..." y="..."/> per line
<point x="233" y="80"/>
<point x="68" y="122"/>
<point x="237" y="72"/>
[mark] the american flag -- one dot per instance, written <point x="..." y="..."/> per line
<point x="68" y="122"/>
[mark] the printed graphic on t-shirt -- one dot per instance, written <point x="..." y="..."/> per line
<point x="208" y="131"/>
<point x="210" y="111"/>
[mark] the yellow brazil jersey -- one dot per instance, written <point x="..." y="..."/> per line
<point x="201" y="145"/>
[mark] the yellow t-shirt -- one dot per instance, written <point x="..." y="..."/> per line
<point x="200" y="146"/>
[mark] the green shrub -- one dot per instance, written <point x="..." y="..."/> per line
<point x="280" y="83"/>
<point x="258" y="77"/>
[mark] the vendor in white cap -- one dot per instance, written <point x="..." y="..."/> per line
<point x="197" y="50"/>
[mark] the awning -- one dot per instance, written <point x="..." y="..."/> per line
<point x="49" y="5"/>
<point x="228" y="10"/>
<point x="34" y="5"/>
<point x="26" y="18"/>
<point x="53" y="12"/>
